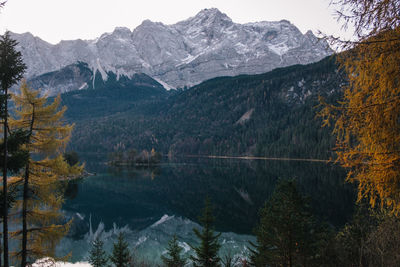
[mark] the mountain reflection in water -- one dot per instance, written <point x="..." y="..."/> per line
<point x="238" y="188"/>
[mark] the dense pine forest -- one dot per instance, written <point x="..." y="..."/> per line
<point x="272" y="114"/>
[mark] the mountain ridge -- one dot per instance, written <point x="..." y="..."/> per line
<point x="186" y="53"/>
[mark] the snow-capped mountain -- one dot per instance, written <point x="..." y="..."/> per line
<point x="207" y="45"/>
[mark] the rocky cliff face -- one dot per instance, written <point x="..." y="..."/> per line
<point x="205" y="46"/>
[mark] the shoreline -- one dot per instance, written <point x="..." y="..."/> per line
<point x="257" y="158"/>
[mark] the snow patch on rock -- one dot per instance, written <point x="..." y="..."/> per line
<point x="163" y="219"/>
<point x="185" y="53"/>
<point x="164" y="84"/>
<point x="245" y="117"/>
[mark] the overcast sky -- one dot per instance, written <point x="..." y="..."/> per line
<point x="55" y="20"/>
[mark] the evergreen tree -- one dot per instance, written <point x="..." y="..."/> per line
<point x="287" y="233"/>
<point x="352" y="240"/>
<point x="47" y="136"/>
<point x="97" y="255"/>
<point x="120" y="255"/>
<point x="206" y="254"/>
<point x="17" y="156"/>
<point x="174" y="258"/>
<point x="383" y="244"/>
<point x="17" y="159"/>
<point x="11" y="70"/>
<point x="230" y="260"/>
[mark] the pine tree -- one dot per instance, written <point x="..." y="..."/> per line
<point x="230" y="260"/>
<point x="17" y="158"/>
<point x="120" y="255"/>
<point x="97" y="255"/>
<point x="206" y="254"/>
<point x="11" y="70"/>
<point x="286" y="235"/>
<point x="353" y="238"/>
<point x="42" y="198"/>
<point x="174" y="254"/>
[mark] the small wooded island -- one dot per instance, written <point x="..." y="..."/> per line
<point x="133" y="158"/>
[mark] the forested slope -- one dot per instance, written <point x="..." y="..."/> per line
<point x="271" y="114"/>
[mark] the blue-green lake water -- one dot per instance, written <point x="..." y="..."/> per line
<point x="150" y="205"/>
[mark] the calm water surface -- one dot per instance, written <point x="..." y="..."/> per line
<point x="152" y="204"/>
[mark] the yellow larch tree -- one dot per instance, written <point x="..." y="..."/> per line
<point x="367" y="119"/>
<point x="42" y="224"/>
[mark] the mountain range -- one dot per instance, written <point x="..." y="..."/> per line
<point x="241" y="89"/>
<point x="205" y="46"/>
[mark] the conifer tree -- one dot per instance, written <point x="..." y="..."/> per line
<point x="97" y="255"/>
<point x="206" y="254"/>
<point x="47" y="136"/>
<point x="353" y="238"/>
<point x="16" y="158"/>
<point x="174" y="254"/>
<point x="286" y="235"/>
<point x="230" y="260"/>
<point x="120" y="255"/>
<point x="11" y="70"/>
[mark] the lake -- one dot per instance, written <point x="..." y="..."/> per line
<point x="151" y="204"/>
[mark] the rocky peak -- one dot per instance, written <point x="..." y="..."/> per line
<point x="206" y="18"/>
<point x="148" y="28"/>
<point x="212" y="15"/>
<point x="123" y="31"/>
<point x="118" y="33"/>
<point x="318" y="42"/>
<point x="149" y="24"/>
<point x="183" y="54"/>
<point x="310" y="35"/>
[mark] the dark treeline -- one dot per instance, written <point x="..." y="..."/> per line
<point x="288" y="234"/>
<point x="272" y="114"/>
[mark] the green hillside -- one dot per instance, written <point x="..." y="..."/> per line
<point x="271" y="114"/>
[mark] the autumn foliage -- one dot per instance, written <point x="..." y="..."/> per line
<point x="47" y="136"/>
<point x="367" y="122"/>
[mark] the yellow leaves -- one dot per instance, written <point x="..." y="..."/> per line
<point x="48" y="133"/>
<point x="367" y="121"/>
<point x="43" y="242"/>
<point x="13" y="180"/>
<point x="47" y="138"/>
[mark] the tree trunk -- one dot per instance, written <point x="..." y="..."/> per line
<point x="290" y="249"/>
<point x="25" y="199"/>
<point x="24" y="220"/>
<point x="5" y="193"/>
<point x="1" y="249"/>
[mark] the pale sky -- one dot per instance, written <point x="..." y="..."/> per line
<point x="55" y="20"/>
